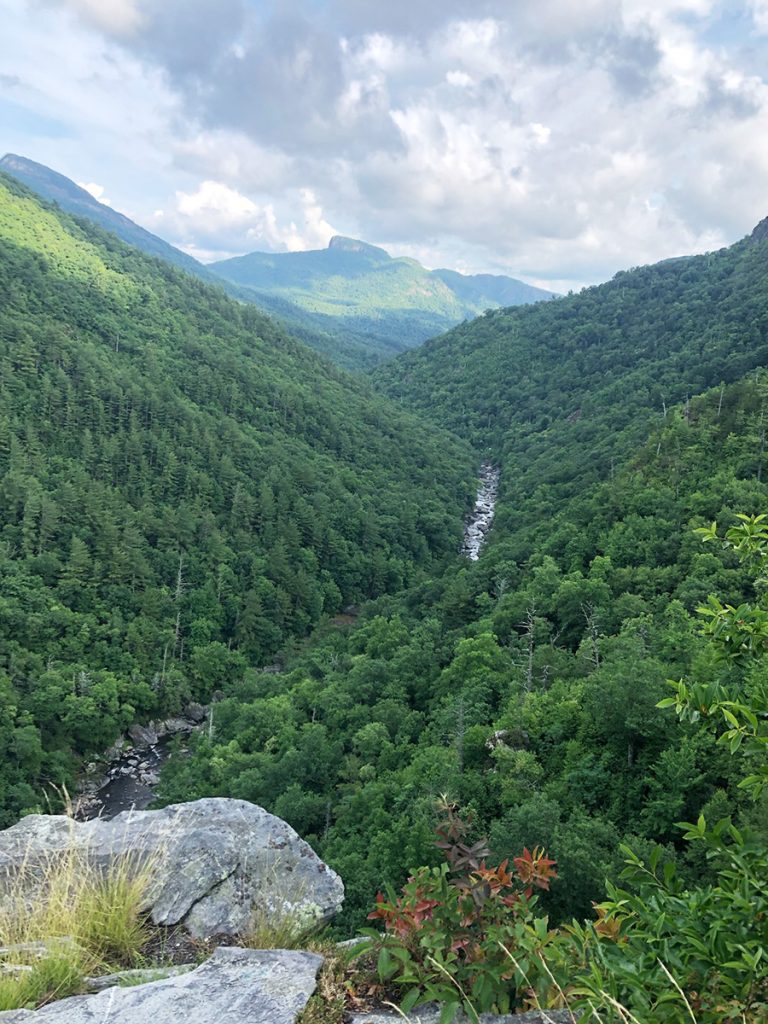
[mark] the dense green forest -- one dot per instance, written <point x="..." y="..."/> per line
<point x="526" y="691"/>
<point x="187" y="492"/>
<point x="183" y="490"/>
<point x="74" y="199"/>
<point x="526" y="686"/>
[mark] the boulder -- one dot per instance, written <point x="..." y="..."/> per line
<point x="196" y="713"/>
<point x="239" y="986"/>
<point x="217" y="863"/>
<point x="174" y="726"/>
<point x="142" y="736"/>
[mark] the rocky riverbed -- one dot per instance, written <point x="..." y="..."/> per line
<point x="126" y="777"/>
<point x="481" y="518"/>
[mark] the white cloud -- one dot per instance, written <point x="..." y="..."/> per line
<point x="458" y="78"/>
<point x="555" y="140"/>
<point x="117" y="17"/>
<point x="759" y="10"/>
<point x="215" y="221"/>
<point x="97" y="191"/>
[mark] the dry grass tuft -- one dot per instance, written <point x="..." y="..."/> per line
<point x="62" y="918"/>
<point x="328" y="1004"/>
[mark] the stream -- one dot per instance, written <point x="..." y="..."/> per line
<point x="126" y="776"/>
<point x="480" y="519"/>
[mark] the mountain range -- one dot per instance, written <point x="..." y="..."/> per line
<point x="351" y="286"/>
<point x="351" y="301"/>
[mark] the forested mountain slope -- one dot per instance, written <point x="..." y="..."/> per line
<point x="73" y="199"/>
<point x="351" y="302"/>
<point x="183" y="489"/>
<point x="340" y="343"/>
<point x="525" y="686"/>
<point x="358" y="290"/>
<point x="563" y="391"/>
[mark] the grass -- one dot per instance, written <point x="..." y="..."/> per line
<point x="52" y="977"/>
<point x="63" y="918"/>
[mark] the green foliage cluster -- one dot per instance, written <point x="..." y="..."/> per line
<point x="663" y="947"/>
<point x="450" y="936"/>
<point x="184" y="490"/>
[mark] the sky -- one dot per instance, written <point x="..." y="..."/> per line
<point x="554" y="140"/>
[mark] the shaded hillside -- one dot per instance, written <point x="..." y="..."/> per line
<point x="183" y="489"/>
<point x="359" y="289"/>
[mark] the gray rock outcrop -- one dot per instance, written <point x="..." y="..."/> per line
<point x="239" y="986"/>
<point x="142" y="735"/>
<point x="217" y="864"/>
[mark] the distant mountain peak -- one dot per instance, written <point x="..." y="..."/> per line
<point x="340" y="243"/>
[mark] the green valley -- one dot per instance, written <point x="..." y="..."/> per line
<point x="189" y="493"/>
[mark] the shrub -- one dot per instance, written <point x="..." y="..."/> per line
<point x="662" y="951"/>
<point x="464" y="933"/>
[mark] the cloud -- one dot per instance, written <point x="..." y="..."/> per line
<point x="759" y="11"/>
<point x="547" y="138"/>
<point x="97" y="191"/>
<point x="216" y="221"/>
<point x="117" y="17"/>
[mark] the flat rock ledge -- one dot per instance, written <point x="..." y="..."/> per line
<point x="239" y="986"/>
<point x="217" y="863"/>
<point x="430" y="1014"/>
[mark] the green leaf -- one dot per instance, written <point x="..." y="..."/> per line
<point x="411" y="998"/>
<point x="447" y="1012"/>
<point x="385" y="965"/>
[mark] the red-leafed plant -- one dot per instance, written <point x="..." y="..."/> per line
<point x="464" y="934"/>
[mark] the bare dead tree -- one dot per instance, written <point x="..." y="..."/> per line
<point x="593" y="632"/>
<point x="528" y="626"/>
<point x="178" y="644"/>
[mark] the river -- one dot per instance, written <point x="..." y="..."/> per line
<point x="480" y="519"/>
